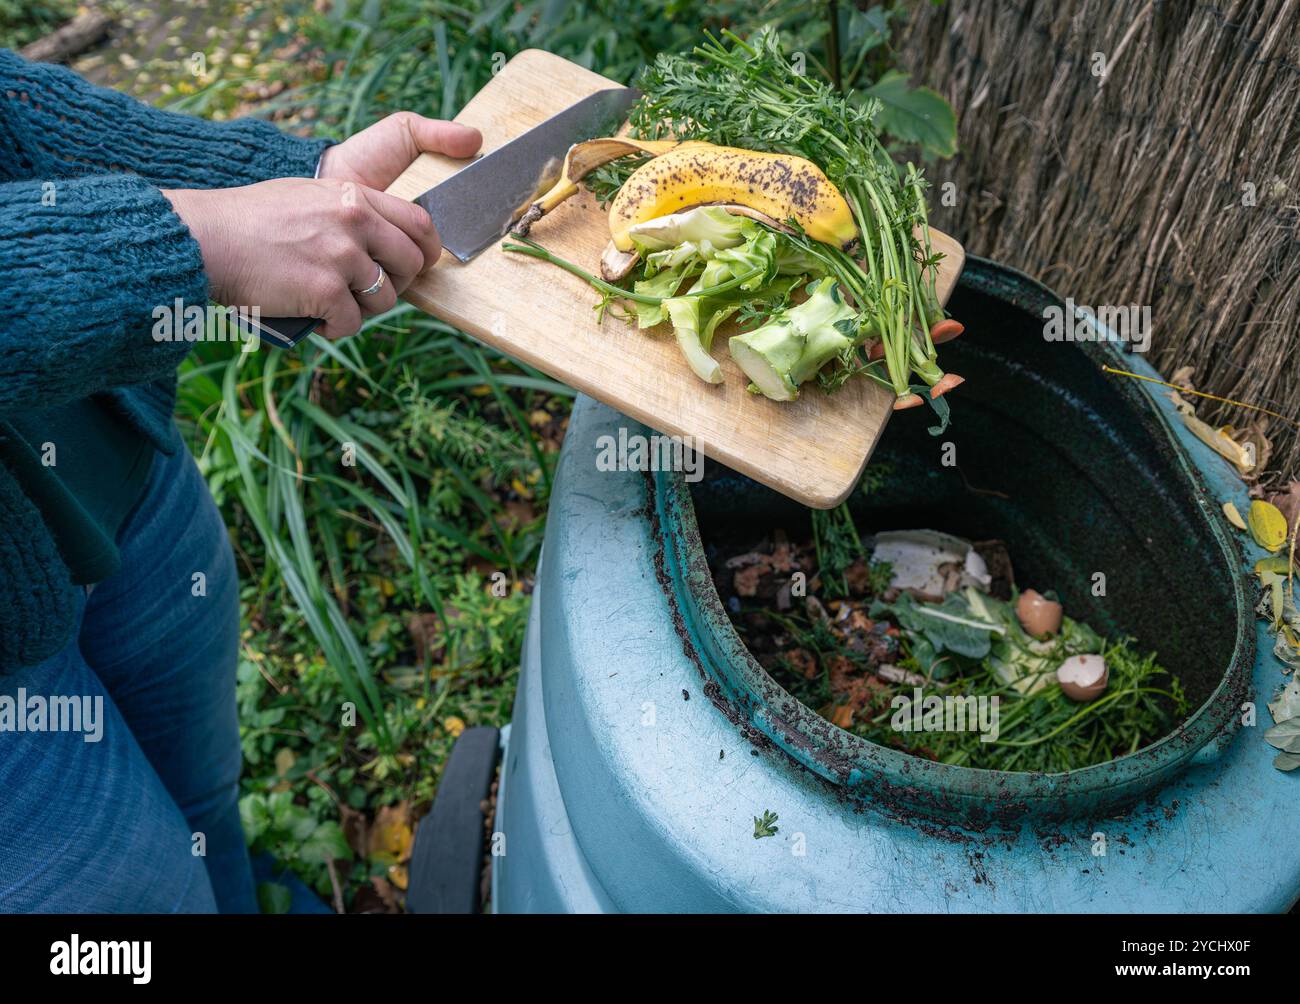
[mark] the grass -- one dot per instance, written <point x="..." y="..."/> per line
<point x="455" y="448"/>
<point x="24" y="21"/>
<point x="386" y="495"/>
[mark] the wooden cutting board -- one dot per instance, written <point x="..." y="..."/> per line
<point x="812" y="449"/>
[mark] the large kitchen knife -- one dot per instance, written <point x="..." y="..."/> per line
<point x="474" y="208"/>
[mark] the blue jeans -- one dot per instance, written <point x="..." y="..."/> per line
<point x="146" y="818"/>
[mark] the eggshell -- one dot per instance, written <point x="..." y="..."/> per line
<point x="1083" y="677"/>
<point x="1038" y="615"/>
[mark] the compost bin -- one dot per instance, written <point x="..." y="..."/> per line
<point x="647" y="740"/>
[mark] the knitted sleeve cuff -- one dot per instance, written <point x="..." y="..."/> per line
<point x="91" y="267"/>
<point x="61" y="126"/>
<point x="227" y="154"/>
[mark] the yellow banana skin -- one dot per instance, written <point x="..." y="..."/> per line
<point x="581" y="160"/>
<point x="693" y="174"/>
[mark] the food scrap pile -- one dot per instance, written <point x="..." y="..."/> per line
<point x="753" y="193"/>
<point x="859" y="628"/>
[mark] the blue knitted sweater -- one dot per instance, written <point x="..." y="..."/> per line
<point x="88" y="247"/>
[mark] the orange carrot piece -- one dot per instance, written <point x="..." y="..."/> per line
<point x="946" y="330"/>
<point x="946" y="383"/>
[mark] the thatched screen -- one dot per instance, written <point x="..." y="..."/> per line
<point x="1172" y="179"/>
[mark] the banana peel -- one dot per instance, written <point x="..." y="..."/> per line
<point x="1247" y="450"/>
<point x="580" y="161"/>
<point x="681" y="174"/>
<point x="780" y="186"/>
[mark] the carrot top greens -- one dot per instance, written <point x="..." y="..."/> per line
<point x="745" y="95"/>
<point x="748" y="94"/>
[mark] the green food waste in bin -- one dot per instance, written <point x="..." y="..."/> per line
<point x="646" y="740"/>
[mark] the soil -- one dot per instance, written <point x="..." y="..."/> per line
<point x="759" y="584"/>
<point x="811" y="629"/>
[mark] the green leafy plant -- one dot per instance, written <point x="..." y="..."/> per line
<point x="24" y="21"/>
<point x="455" y="445"/>
<point x="340" y="560"/>
<point x="297" y="838"/>
<point x="914" y="114"/>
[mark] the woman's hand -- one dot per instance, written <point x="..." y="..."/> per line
<point x="295" y="247"/>
<point x="298" y="247"/>
<point x="375" y="156"/>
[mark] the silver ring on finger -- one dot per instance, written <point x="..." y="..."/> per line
<point x="377" y="285"/>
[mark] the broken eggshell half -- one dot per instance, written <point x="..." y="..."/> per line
<point x="1039" y="616"/>
<point x="1083" y="677"/>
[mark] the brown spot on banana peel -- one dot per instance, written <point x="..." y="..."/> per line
<point x="779" y="186"/>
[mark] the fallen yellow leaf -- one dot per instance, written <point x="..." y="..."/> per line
<point x="1267" y="525"/>
<point x="454" y="726"/>
<point x="390" y="835"/>
<point x="1277" y="564"/>
<point x="284" y="761"/>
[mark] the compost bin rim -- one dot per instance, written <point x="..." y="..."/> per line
<point x="848" y="759"/>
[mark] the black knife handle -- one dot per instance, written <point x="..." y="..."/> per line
<point x="280" y="332"/>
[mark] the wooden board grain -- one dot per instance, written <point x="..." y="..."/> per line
<point x="812" y="449"/>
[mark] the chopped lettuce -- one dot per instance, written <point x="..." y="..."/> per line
<point x="684" y="312"/>
<point x="717" y="248"/>
<point x="711" y="224"/>
<point x="973" y="625"/>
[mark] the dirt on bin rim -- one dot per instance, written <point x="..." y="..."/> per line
<point x="1063" y="834"/>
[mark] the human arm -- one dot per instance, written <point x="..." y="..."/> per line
<point x="83" y="266"/>
<point x="54" y="123"/>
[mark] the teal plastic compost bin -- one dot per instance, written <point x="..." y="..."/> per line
<point x="646" y="739"/>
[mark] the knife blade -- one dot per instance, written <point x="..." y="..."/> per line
<point x="475" y="207"/>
